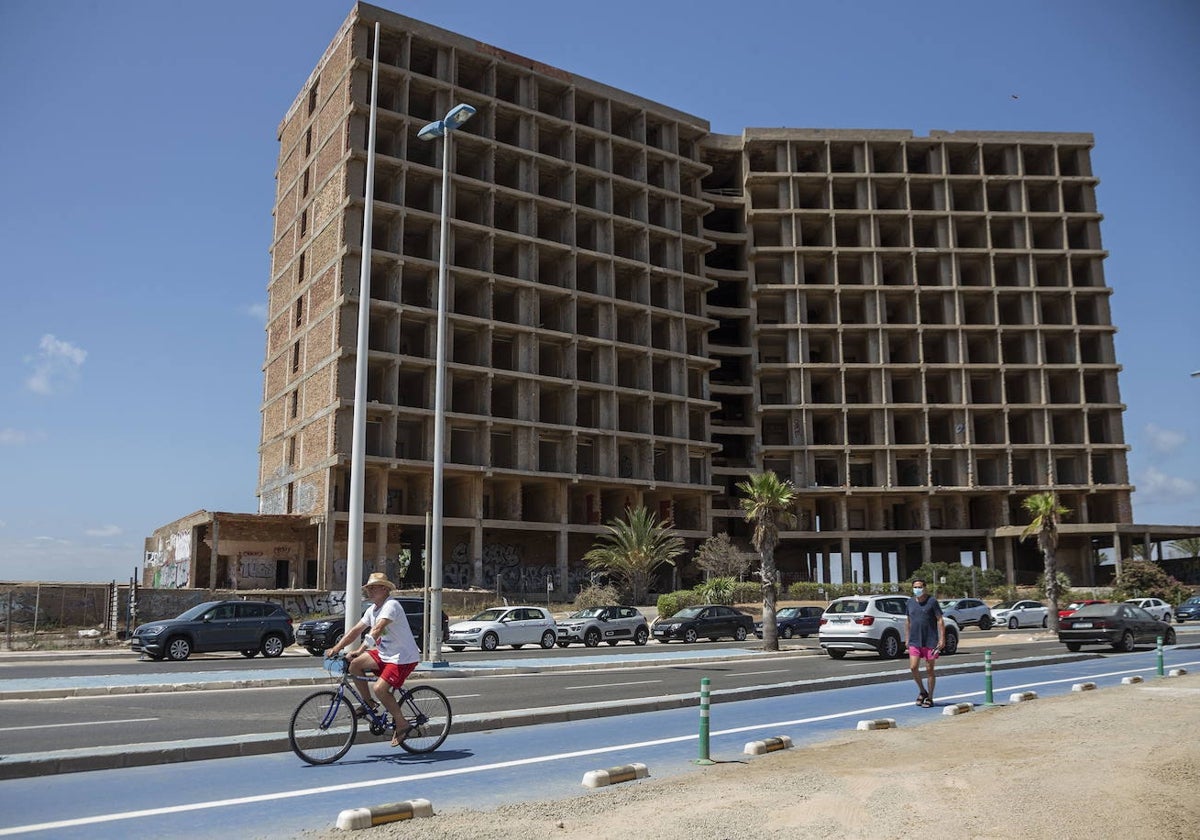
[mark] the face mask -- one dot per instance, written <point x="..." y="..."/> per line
<point x="918" y="591"/>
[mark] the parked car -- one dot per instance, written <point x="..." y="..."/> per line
<point x="1189" y="610"/>
<point x="1157" y="607"/>
<point x="603" y="624"/>
<point x="1124" y="626"/>
<point x="794" y="621"/>
<point x="1070" y="608"/>
<point x="512" y="626"/>
<point x="1014" y="614"/>
<point x="251" y="627"/>
<point x="967" y="611"/>
<point x="318" y="635"/>
<point x="710" y="621"/>
<point x="874" y="623"/>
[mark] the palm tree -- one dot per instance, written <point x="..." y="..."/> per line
<point x="634" y="549"/>
<point x="1188" y="547"/>
<point x="767" y="505"/>
<point x="1047" y="513"/>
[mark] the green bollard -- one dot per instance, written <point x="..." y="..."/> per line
<point x="987" y="678"/>
<point x="1160" y="656"/>
<point x="704" y="759"/>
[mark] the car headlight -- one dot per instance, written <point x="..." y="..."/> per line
<point x="323" y="625"/>
<point x="151" y="631"/>
<point x="674" y="626"/>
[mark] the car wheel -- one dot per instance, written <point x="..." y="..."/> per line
<point x="1126" y="644"/>
<point x="786" y="632"/>
<point x="641" y="636"/>
<point x="1012" y="623"/>
<point x="985" y="623"/>
<point x="249" y="654"/>
<point x="1045" y="621"/>
<point x="591" y="638"/>
<point x="1169" y="638"/>
<point x="456" y="648"/>
<point x="951" y="646"/>
<point x="889" y="646"/>
<point x="272" y="646"/>
<point x="740" y="634"/>
<point x="564" y="644"/>
<point x="689" y="635"/>
<point x="836" y="654"/>
<point x="178" y="649"/>
<point x="490" y="641"/>
<point x="1073" y="646"/>
<point x="548" y="640"/>
<point x="316" y="651"/>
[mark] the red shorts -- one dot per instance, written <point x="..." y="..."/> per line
<point x="392" y="673"/>
<point x="923" y="653"/>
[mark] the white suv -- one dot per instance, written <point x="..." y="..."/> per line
<point x="872" y="623"/>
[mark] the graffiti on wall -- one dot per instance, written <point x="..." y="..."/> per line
<point x="503" y="562"/>
<point x="172" y="568"/>
<point x="324" y="603"/>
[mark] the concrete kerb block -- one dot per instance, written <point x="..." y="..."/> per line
<point x="958" y="708"/>
<point x="1022" y="696"/>
<point x="1084" y="686"/>
<point x="355" y="818"/>
<point x="614" y="775"/>
<point x="1176" y="672"/>
<point x="879" y="723"/>
<point x="768" y="745"/>
<point x="1131" y="680"/>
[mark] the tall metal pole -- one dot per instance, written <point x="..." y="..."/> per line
<point x="439" y="424"/>
<point x="354" y="549"/>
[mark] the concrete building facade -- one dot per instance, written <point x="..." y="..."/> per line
<point x="915" y="330"/>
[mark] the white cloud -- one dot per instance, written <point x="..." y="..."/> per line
<point x="55" y="366"/>
<point x="18" y="437"/>
<point x="1155" y="485"/>
<point x="258" y="311"/>
<point x="1164" y="441"/>
<point x="104" y="531"/>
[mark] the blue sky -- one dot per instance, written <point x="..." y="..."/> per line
<point x="137" y="154"/>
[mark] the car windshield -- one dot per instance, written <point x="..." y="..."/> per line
<point x="847" y="607"/>
<point x="1096" y="610"/>
<point x="490" y="615"/>
<point x="788" y="612"/>
<point x="1004" y="605"/>
<point x="687" y="612"/>
<point x="1195" y="602"/>
<point x="196" y="611"/>
<point x="591" y="612"/>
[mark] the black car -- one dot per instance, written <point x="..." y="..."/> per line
<point x="794" y="621"/>
<point x="1189" y="610"/>
<point x="319" y="634"/>
<point x="710" y="621"/>
<point x="251" y="627"/>
<point x="1123" y="626"/>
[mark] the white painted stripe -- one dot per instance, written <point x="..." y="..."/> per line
<point x="755" y="673"/>
<point x="59" y="725"/>
<point x="608" y="685"/>
<point x="462" y="771"/>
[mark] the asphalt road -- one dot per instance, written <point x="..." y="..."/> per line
<point x="521" y="681"/>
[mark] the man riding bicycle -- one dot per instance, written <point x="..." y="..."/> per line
<point x="387" y="648"/>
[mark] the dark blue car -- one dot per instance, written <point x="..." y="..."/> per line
<point x="794" y="621"/>
<point x="1189" y="610"/>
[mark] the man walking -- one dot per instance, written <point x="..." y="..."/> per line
<point x="926" y="632"/>
<point x="388" y="649"/>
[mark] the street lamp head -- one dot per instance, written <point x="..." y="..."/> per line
<point x="454" y="118"/>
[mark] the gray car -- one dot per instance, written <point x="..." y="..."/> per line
<point x="250" y="627"/>
<point x="967" y="612"/>
<point x="603" y="624"/>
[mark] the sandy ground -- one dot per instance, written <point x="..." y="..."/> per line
<point x="1117" y="762"/>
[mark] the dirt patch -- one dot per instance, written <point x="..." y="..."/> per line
<point x="1117" y="762"/>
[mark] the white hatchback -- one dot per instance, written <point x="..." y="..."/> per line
<point x="1157" y="607"/>
<point x="513" y="626"/>
<point x="1026" y="613"/>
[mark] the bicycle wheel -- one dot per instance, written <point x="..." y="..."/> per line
<point x="428" y="714"/>
<point x="322" y="728"/>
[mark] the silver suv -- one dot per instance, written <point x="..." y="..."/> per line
<point x="603" y="624"/>
<point x="871" y="623"/>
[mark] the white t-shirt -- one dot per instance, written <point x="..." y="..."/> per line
<point x="397" y="645"/>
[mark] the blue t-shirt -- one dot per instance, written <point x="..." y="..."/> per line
<point x="922" y="622"/>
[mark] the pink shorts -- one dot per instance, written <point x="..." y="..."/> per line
<point x="390" y="672"/>
<point x="923" y="653"/>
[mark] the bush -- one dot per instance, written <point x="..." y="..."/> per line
<point x="1065" y="595"/>
<point x="717" y="590"/>
<point x="596" y="596"/>
<point x="958" y="579"/>
<point x="747" y="592"/>
<point x="1146" y="579"/>
<point x="672" y="602"/>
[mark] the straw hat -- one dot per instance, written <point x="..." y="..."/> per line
<point x="378" y="579"/>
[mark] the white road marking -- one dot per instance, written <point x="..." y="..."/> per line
<point x="755" y="673"/>
<point x="499" y="765"/>
<point x="60" y="725"/>
<point x="608" y="685"/>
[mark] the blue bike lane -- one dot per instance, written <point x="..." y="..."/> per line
<point x="279" y="796"/>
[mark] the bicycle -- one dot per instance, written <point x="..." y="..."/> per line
<point x="325" y="724"/>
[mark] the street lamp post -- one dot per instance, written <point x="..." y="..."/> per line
<point x="443" y="128"/>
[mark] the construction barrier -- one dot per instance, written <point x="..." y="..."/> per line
<point x="1022" y="696"/>
<point x="767" y="745"/>
<point x="958" y="708"/>
<point x="1177" y="672"/>
<point x="355" y="818"/>
<point x="613" y="775"/>
<point x="1131" y="680"/>
<point x="1084" y="686"/>
<point x="880" y="723"/>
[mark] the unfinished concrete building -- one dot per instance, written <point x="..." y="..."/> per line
<point x="914" y="330"/>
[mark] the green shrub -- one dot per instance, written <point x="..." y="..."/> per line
<point x="1065" y="594"/>
<point x="1146" y="579"/>
<point x="718" y="590"/>
<point x="672" y="602"/>
<point x="747" y="592"/>
<point x="958" y="581"/>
